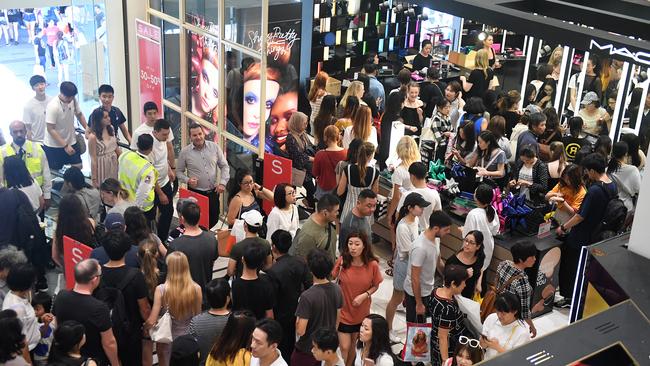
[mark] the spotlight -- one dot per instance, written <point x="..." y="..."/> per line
<point x="410" y="12"/>
<point x="423" y="17"/>
<point x="482" y="36"/>
<point x="383" y="5"/>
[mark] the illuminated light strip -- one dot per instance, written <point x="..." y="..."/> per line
<point x="560" y="84"/>
<point x="316" y="11"/>
<point x="503" y="42"/>
<point x="347" y="63"/>
<point x="539" y="50"/>
<point x="360" y="36"/>
<point x="580" y="81"/>
<point x="644" y="95"/>
<point x="577" y="286"/>
<point x="616" y="122"/>
<point x="566" y="94"/>
<point x="524" y="83"/>
<point x="460" y="36"/>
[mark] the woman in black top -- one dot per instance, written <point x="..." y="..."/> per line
<point x="470" y="256"/>
<point x="324" y="118"/>
<point x="479" y="79"/>
<point x="432" y="91"/>
<point x="301" y="152"/>
<point x="423" y="58"/>
<point x="492" y="56"/>
<point x="412" y="113"/>
<point x="68" y="340"/>
<point x="509" y="109"/>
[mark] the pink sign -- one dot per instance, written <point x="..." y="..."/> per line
<point x="202" y="201"/>
<point x="276" y="170"/>
<point x="150" y="64"/>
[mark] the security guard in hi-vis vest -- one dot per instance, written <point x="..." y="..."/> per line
<point x="138" y="176"/>
<point x="32" y="154"/>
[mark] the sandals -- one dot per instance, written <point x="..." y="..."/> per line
<point x="390" y="263"/>
<point x="389" y="272"/>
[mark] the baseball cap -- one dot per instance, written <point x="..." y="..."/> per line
<point x="114" y="222"/>
<point x="532" y="108"/>
<point x="252" y="218"/>
<point x="36" y="79"/>
<point x="589" y="98"/>
<point x="415" y="199"/>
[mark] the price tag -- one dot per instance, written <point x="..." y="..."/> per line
<point x="544" y="229"/>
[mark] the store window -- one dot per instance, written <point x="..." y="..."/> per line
<point x="171" y="60"/>
<point x="243" y="20"/>
<point x="175" y="119"/>
<point x="169" y="7"/>
<point x="202" y="13"/>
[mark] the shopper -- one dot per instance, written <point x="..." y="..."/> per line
<point x="596" y="119"/>
<point x="253" y="221"/>
<point x="466" y="354"/>
<point x="17" y="177"/>
<point x="20" y="280"/>
<point x="471" y="256"/>
<point x="408" y="153"/>
<point x="12" y="353"/>
<point x="284" y="215"/>
<point x="375" y="90"/>
<point x="497" y="126"/>
<point x="479" y="80"/>
<point x="446" y="317"/>
<point x="568" y="194"/>
<point x="35" y="108"/>
<point x="362" y="128"/>
<point x="118" y="120"/>
<point x="154" y="271"/>
<point x="180" y="296"/>
<point x="74" y="183"/>
<point x="244" y="195"/>
<point x="530" y="176"/>
<point x="626" y="176"/>
<point x="357" y="177"/>
<point x="10" y="257"/>
<point x="524" y="255"/>
<point x="73" y="223"/>
<point x="191" y="169"/>
<point x="301" y="152"/>
<point x="406" y="233"/>
<point x="318" y="231"/>
<point x="536" y="127"/>
<point x="290" y="277"/>
<point x="509" y="109"/>
<point x="79" y="305"/>
<point x="63" y="54"/>
<point x="103" y="149"/>
<point x="392" y="114"/>
<point x="424" y="259"/>
<point x="441" y="127"/>
<point x="423" y="58"/>
<point x="318" y="307"/>
<point x="553" y="131"/>
<point x="489" y="160"/>
<point x="345" y="120"/>
<point x="253" y="291"/>
<point x="557" y="162"/>
<point x="358" y="219"/>
<point x="357" y="271"/>
<point x="316" y="93"/>
<point x="355" y="89"/>
<point x="636" y="156"/>
<point x="575" y="140"/>
<point x="453" y="93"/>
<point x="505" y="329"/>
<point x="69" y="338"/>
<point x="209" y="325"/>
<point x="418" y="173"/>
<point x="264" y="345"/>
<point x="60" y="143"/>
<point x="546" y="95"/>
<point x="326" y="117"/>
<point x="475" y="112"/>
<point x="198" y="247"/>
<point x="163" y="160"/>
<point x="461" y="145"/>
<point x="325" y="347"/>
<point x="374" y="343"/>
<point x="114" y="196"/>
<point x="432" y="91"/>
<point x="412" y="113"/>
<point x="231" y="347"/>
<point x="326" y="160"/>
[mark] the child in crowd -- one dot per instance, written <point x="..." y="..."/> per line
<point x="42" y="303"/>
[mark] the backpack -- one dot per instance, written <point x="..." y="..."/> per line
<point x="613" y="220"/>
<point x="28" y="235"/>
<point x="487" y="305"/>
<point x="114" y="299"/>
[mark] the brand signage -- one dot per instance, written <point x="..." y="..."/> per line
<point x="636" y="57"/>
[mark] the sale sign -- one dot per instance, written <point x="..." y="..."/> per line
<point x="276" y="170"/>
<point x="150" y="64"/>
<point x="202" y="201"/>
<point x="73" y="253"/>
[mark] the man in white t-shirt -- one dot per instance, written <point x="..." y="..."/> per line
<point x="421" y="270"/>
<point x="162" y="135"/>
<point x="418" y="175"/>
<point x="264" y="344"/>
<point x="60" y="143"/>
<point x="34" y="110"/>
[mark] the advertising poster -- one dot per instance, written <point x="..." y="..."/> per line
<point x="150" y="64"/>
<point x="276" y="170"/>
<point x="73" y="253"/>
<point x="243" y="84"/>
<point x="202" y="201"/>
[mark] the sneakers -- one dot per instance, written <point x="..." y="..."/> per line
<point x="563" y="304"/>
<point x="394" y="338"/>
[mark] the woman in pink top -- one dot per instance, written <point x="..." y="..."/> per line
<point x="357" y="271"/>
<point x="51" y="34"/>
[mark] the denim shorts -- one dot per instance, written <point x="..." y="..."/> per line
<point x="399" y="273"/>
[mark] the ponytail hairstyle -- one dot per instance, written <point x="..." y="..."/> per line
<point x="366" y="152"/>
<point x="113" y="186"/>
<point x="619" y="151"/>
<point x="484" y="195"/>
<point x="603" y="146"/>
<point x="506" y="102"/>
<point x="148" y="254"/>
<point x="404" y="78"/>
<point x="558" y="153"/>
<point x="575" y="126"/>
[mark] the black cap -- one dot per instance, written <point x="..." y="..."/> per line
<point x="415" y="199"/>
<point x="36" y="79"/>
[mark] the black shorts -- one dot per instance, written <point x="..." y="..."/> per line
<point x="57" y="157"/>
<point x="349" y="329"/>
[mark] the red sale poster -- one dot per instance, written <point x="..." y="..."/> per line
<point x="73" y="253"/>
<point x="150" y="64"/>
<point x="276" y="170"/>
<point x="202" y="201"/>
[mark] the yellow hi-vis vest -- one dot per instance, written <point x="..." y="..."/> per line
<point x="133" y="168"/>
<point x="33" y="154"/>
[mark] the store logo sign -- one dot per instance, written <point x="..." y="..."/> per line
<point x="638" y="57"/>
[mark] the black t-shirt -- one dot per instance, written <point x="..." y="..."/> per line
<point x="572" y="145"/>
<point x="90" y="312"/>
<point x="480" y="83"/>
<point x="319" y="304"/>
<point x="201" y="252"/>
<point x="592" y="210"/>
<point x="254" y="295"/>
<point x="136" y="289"/>
<point x="420" y="62"/>
<point x="430" y="94"/>
<point x="238" y="250"/>
<point x="470" y="283"/>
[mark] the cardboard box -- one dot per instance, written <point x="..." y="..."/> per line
<point x="463" y="60"/>
<point x="333" y="86"/>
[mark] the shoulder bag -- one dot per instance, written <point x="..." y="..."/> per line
<point x="162" y="330"/>
<point x="487" y="306"/>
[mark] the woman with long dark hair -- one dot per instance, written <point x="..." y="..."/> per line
<point x="394" y="104"/>
<point x="636" y="156"/>
<point x="489" y="161"/>
<point x="472" y="257"/>
<point x="73" y="223"/>
<point x="324" y="118"/>
<point x="553" y="129"/>
<point x="475" y="112"/>
<point x="483" y="218"/>
<point x="508" y="106"/>
<point x="102" y="147"/>
<point x="243" y="195"/>
<point x="497" y="126"/>
<point x="350" y="109"/>
<point x="462" y="144"/>
<point x="74" y="182"/>
<point x="69" y="337"/>
<point x="17" y="176"/>
<point x="301" y="152"/>
<point x="626" y="176"/>
<point x="546" y="95"/>
<point x="232" y="348"/>
<point x="359" y="276"/>
<point x="284" y="215"/>
<point x="374" y="342"/>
